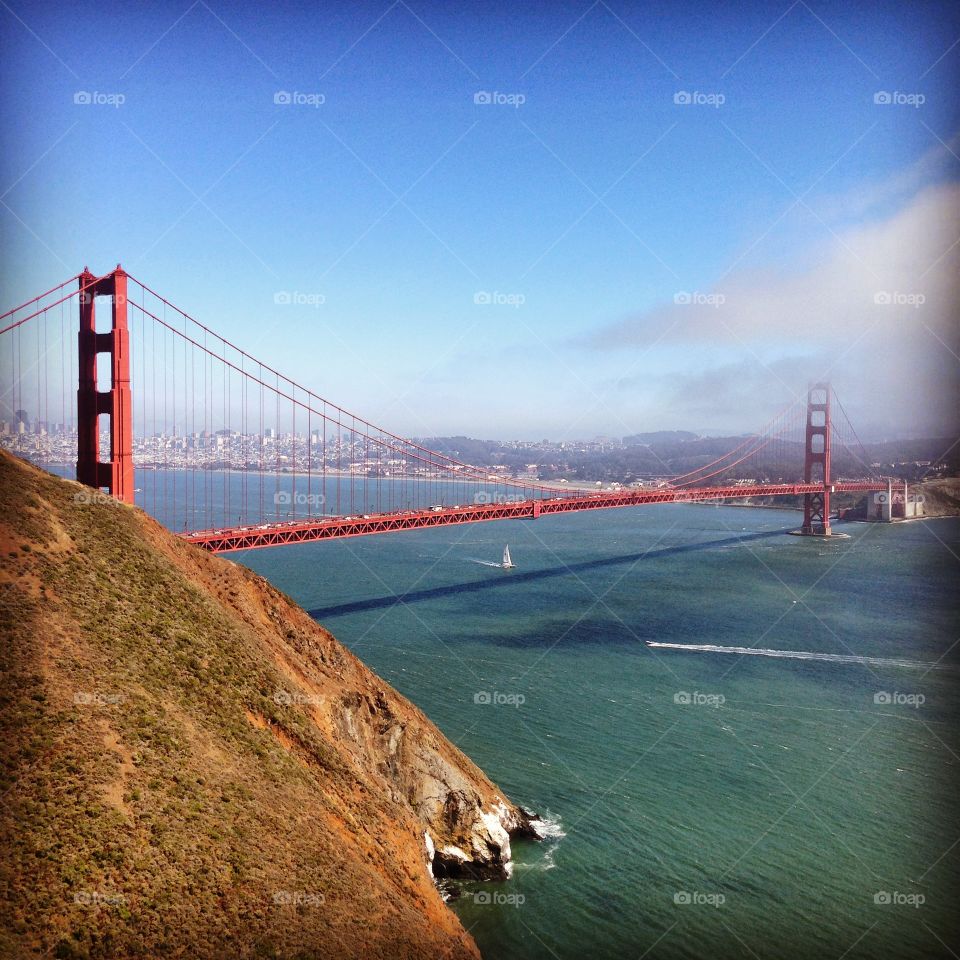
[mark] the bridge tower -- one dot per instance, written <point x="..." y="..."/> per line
<point x="116" y="474"/>
<point x="816" y="462"/>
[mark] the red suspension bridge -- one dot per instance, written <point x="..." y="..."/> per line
<point x="233" y="455"/>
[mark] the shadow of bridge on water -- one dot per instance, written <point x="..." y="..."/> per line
<point x="532" y="576"/>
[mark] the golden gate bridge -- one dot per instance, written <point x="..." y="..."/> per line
<point x="155" y="408"/>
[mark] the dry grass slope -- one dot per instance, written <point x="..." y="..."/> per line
<point x="941" y="497"/>
<point x="191" y="767"/>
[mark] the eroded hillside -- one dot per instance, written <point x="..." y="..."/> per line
<point x="193" y="767"/>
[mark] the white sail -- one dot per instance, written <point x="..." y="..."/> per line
<point x="507" y="562"/>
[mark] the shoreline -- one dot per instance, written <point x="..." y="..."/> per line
<point x="747" y="506"/>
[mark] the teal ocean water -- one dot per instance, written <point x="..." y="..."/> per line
<point x="704" y="803"/>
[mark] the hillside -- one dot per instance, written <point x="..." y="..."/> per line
<point x="678" y="452"/>
<point x="941" y="498"/>
<point x="193" y="768"/>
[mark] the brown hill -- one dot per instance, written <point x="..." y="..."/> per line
<point x="193" y="768"/>
<point x="941" y="498"/>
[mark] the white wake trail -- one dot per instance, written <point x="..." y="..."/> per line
<point x="792" y="654"/>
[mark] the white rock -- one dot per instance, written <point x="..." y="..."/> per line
<point x="456" y="852"/>
<point x="493" y="821"/>
<point x="431" y="851"/>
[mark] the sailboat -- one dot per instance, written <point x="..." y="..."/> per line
<point x="507" y="564"/>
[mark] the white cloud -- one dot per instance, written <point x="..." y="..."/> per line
<point x="877" y="312"/>
<point x="870" y="196"/>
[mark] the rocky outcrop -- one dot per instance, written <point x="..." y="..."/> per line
<point x="468" y="824"/>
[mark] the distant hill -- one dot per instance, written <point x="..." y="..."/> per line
<point x="191" y="767"/>
<point x="659" y="436"/>
<point x="941" y="498"/>
<point x="665" y="453"/>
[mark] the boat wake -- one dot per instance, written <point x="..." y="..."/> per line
<point x="791" y="654"/>
<point x="507" y="563"/>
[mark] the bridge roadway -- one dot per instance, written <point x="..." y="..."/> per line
<point x="331" y="528"/>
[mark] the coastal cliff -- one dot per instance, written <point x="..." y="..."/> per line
<point x="941" y="497"/>
<point x="193" y="767"/>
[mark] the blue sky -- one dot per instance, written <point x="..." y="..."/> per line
<point x="584" y="203"/>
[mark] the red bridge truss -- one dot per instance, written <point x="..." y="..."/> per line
<point x="233" y="455"/>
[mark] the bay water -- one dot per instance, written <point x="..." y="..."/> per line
<point x="700" y="803"/>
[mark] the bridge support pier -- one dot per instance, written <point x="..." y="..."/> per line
<point x="816" y="462"/>
<point x="116" y="474"/>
